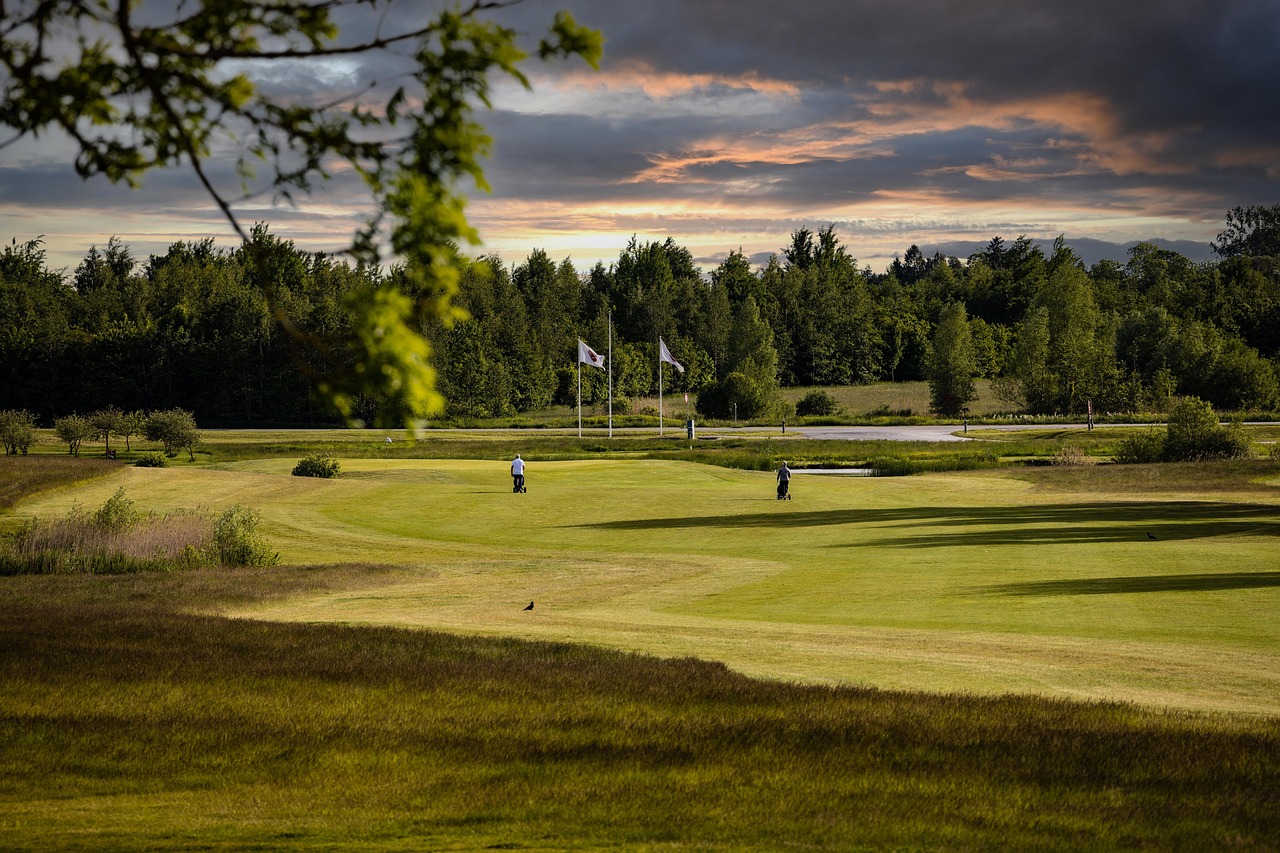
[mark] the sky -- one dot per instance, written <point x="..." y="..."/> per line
<point x="729" y="125"/>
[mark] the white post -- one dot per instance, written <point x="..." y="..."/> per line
<point x="659" y="386"/>
<point x="579" y="398"/>
<point x="610" y="374"/>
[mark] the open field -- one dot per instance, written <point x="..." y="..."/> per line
<point x="1039" y="581"/>
<point x="978" y="605"/>
<point x="903" y="399"/>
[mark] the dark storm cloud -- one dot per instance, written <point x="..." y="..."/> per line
<point x="1163" y="90"/>
<point x="718" y="118"/>
<point x="1171" y="62"/>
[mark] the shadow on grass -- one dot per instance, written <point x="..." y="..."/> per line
<point x="1149" y="583"/>
<point x="1052" y="522"/>
<point x="1150" y="531"/>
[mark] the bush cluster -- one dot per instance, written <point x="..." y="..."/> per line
<point x="316" y="465"/>
<point x="237" y="541"/>
<point x="175" y="429"/>
<point x="1141" y="447"/>
<point x="817" y="402"/>
<point x="118" y="514"/>
<point x="1194" y="434"/>
<point x="153" y="459"/>
<point x="736" y="396"/>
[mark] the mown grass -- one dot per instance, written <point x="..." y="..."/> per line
<point x="128" y="726"/>
<point x="135" y="714"/>
<point x="891" y="582"/>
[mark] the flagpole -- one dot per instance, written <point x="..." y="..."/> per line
<point x="659" y="388"/>
<point x="579" y="398"/>
<point x="610" y="374"/>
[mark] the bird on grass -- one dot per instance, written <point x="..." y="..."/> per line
<point x="1149" y="536"/>
<point x="530" y="607"/>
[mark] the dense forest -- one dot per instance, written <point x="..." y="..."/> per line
<point x="191" y="329"/>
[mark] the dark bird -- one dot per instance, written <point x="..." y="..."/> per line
<point x="530" y="607"/>
<point x="1149" y="536"/>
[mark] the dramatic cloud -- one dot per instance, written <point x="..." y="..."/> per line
<point x="727" y="125"/>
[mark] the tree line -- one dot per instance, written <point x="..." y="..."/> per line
<point x="192" y="330"/>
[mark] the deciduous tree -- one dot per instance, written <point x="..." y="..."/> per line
<point x="952" y="364"/>
<point x="74" y="429"/>
<point x="138" y="88"/>
<point x="1252" y="230"/>
<point x="17" y="431"/>
<point x="175" y="429"/>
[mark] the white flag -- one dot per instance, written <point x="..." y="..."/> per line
<point x="587" y="355"/>
<point x="664" y="354"/>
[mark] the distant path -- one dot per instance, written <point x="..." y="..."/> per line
<point x="928" y="432"/>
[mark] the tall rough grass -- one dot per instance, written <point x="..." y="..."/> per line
<point x="117" y="539"/>
<point x="21" y="476"/>
<point x="901" y="466"/>
<point x="77" y="545"/>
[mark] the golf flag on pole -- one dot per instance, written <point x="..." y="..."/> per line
<point x="664" y="354"/>
<point x="586" y="355"/>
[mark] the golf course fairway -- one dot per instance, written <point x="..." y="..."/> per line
<point x="986" y="582"/>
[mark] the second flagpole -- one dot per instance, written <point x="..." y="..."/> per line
<point x="610" y="374"/>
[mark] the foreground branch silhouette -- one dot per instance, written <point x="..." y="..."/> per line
<point x="140" y="88"/>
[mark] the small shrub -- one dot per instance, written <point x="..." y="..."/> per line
<point x="1195" y="434"/>
<point x="817" y="402"/>
<point x="1070" y="454"/>
<point x="118" y="514"/>
<point x="316" y="465"/>
<point x="154" y="459"/>
<point x="1141" y="448"/>
<point x="621" y="405"/>
<point x="237" y="541"/>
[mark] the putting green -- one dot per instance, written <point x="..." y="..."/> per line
<point x="975" y="582"/>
